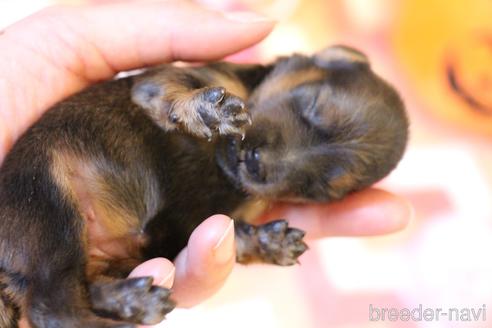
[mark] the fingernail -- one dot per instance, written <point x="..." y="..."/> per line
<point x="246" y="17"/>
<point x="167" y="281"/>
<point x="224" y="249"/>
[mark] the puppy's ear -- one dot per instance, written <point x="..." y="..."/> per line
<point x="340" y="56"/>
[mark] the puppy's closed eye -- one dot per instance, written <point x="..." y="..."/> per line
<point x="252" y="160"/>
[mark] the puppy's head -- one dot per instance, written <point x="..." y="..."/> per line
<point x="323" y="126"/>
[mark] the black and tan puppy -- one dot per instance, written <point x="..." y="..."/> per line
<point x="125" y="170"/>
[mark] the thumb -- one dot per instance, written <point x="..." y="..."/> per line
<point x="63" y="49"/>
<point x="203" y="266"/>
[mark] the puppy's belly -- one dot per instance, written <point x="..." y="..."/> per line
<point x="112" y="234"/>
<point x="108" y="239"/>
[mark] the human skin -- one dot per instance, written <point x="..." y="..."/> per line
<point x="61" y="50"/>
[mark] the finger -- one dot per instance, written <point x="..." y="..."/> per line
<point x="161" y="269"/>
<point x="94" y="42"/>
<point x="202" y="267"/>
<point x="177" y="31"/>
<point x="61" y="50"/>
<point x="365" y="213"/>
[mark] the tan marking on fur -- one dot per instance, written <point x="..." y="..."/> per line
<point x="341" y="54"/>
<point x="11" y="297"/>
<point x="7" y="314"/>
<point x="284" y="82"/>
<point x="184" y="105"/>
<point x="249" y="211"/>
<point x="110" y="231"/>
<point x="232" y="85"/>
<point x="342" y="184"/>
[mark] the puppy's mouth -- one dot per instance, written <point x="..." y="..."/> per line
<point x="229" y="157"/>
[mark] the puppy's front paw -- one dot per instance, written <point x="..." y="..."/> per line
<point x="274" y="242"/>
<point x="211" y="110"/>
<point x="203" y="112"/>
<point x="133" y="300"/>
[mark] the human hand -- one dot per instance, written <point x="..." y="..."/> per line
<point x="60" y="51"/>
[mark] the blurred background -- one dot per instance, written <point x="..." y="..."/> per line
<point x="439" y="55"/>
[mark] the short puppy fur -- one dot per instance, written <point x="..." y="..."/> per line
<point x="125" y="170"/>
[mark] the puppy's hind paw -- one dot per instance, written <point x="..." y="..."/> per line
<point x="133" y="300"/>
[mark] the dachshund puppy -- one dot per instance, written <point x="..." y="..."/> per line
<point x="125" y="170"/>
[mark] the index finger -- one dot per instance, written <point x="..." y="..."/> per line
<point x="364" y="213"/>
<point x="61" y="50"/>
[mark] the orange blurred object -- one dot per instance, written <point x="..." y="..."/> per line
<point x="445" y="50"/>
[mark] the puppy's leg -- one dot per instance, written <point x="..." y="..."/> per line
<point x="46" y="251"/>
<point x="57" y="294"/>
<point x="273" y="242"/>
<point x="179" y="98"/>
<point x="113" y="202"/>
<point x="64" y="303"/>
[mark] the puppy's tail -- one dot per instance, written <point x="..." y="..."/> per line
<point x="9" y="297"/>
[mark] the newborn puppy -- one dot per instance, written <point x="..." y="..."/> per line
<point x="125" y="170"/>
